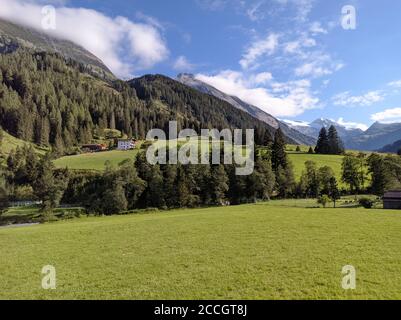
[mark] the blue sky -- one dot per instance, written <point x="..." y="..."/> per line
<point x="292" y="58"/>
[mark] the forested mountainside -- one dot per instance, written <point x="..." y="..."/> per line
<point x="202" y="110"/>
<point x="392" y="148"/>
<point x="49" y="100"/>
<point x="14" y="36"/>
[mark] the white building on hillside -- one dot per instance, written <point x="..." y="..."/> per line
<point x="126" y="144"/>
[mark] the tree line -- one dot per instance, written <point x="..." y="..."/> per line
<point x="136" y="184"/>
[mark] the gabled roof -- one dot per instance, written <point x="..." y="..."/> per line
<point x="392" y="194"/>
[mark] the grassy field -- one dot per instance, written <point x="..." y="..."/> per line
<point x="263" y="251"/>
<point x="94" y="161"/>
<point x="299" y="159"/>
<point x="11" y="143"/>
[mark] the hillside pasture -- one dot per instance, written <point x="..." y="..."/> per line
<point x="95" y="161"/>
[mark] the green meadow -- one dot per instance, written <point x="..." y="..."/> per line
<point x="95" y="161"/>
<point x="263" y="251"/>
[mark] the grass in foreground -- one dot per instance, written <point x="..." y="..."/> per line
<point x="259" y="251"/>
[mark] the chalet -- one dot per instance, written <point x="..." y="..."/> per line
<point x="392" y="199"/>
<point x="126" y="144"/>
<point x="93" y="147"/>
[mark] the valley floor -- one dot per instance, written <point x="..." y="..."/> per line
<point x="262" y="251"/>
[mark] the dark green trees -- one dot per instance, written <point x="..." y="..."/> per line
<point x="279" y="155"/>
<point x="3" y="193"/>
<point x="219" y="185"/>
<point x="329" y="142"/>
<point x="322" y="146"/>
<point x="50" y="184"/>
<point x="335" y="143"/>
<point x="350" y="173"/>
<point x="281" y="166"/>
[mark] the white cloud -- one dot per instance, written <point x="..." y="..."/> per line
<point x="317" y="65"/>
<point x="254" y="12"/>
<point x="345" y="99"/>
<point x="101" y="35"/>
<point x="282" y="99"/>
<point x="316" y="28"/>
<point x="182" y="64"/>
<point x="352" y="125"/>
<point x="388" y="116"/>
<point x="296" y="123"/>
<point x="395" y="84"/>
<point x="261" y="78"/>
<point x="259" y="49"/>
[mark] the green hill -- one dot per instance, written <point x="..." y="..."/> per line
<point x="244" y="252"/>
<point x="94" y="161"/>
<point x="11" y="143"/>
<point x="299" y="159"/>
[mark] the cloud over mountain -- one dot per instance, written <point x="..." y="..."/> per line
<point x="124" y="46"/>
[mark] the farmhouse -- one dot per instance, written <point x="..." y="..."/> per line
<point x="93" y="147"/>
<point x="392" y="199"/>
<point x="126" y="144"/>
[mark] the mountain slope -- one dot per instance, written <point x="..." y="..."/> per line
<point x="205" y="110"/>
<point x="14" y="36"/>
<point x="297" y="137"/>
<point x="391" y="148"/>
<point x="376" y="137"/>
<point x="312" y="129"/>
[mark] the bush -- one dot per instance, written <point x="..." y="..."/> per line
<point x="366" y="203"/>
<point x="323" y="200"/>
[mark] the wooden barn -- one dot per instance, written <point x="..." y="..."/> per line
<point x="392" y="199"/>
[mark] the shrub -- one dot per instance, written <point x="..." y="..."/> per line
<point x="366" y="203"/>
<point x="323" y="200"/>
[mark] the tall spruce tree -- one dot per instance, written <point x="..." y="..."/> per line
<point x="322" y="146"/>
<point x="218" y="184"/>
<point x="279" y="155"/>
<point x="335" y="143"/>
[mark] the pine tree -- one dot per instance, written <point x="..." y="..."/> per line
<point x="335" y="143"/>
<point x="279" y="155"/>
<point x="49" y="187"/>
<point x="114" y="200"/>
<point x="322" y="146"/>
<point x="218" y="184"/>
